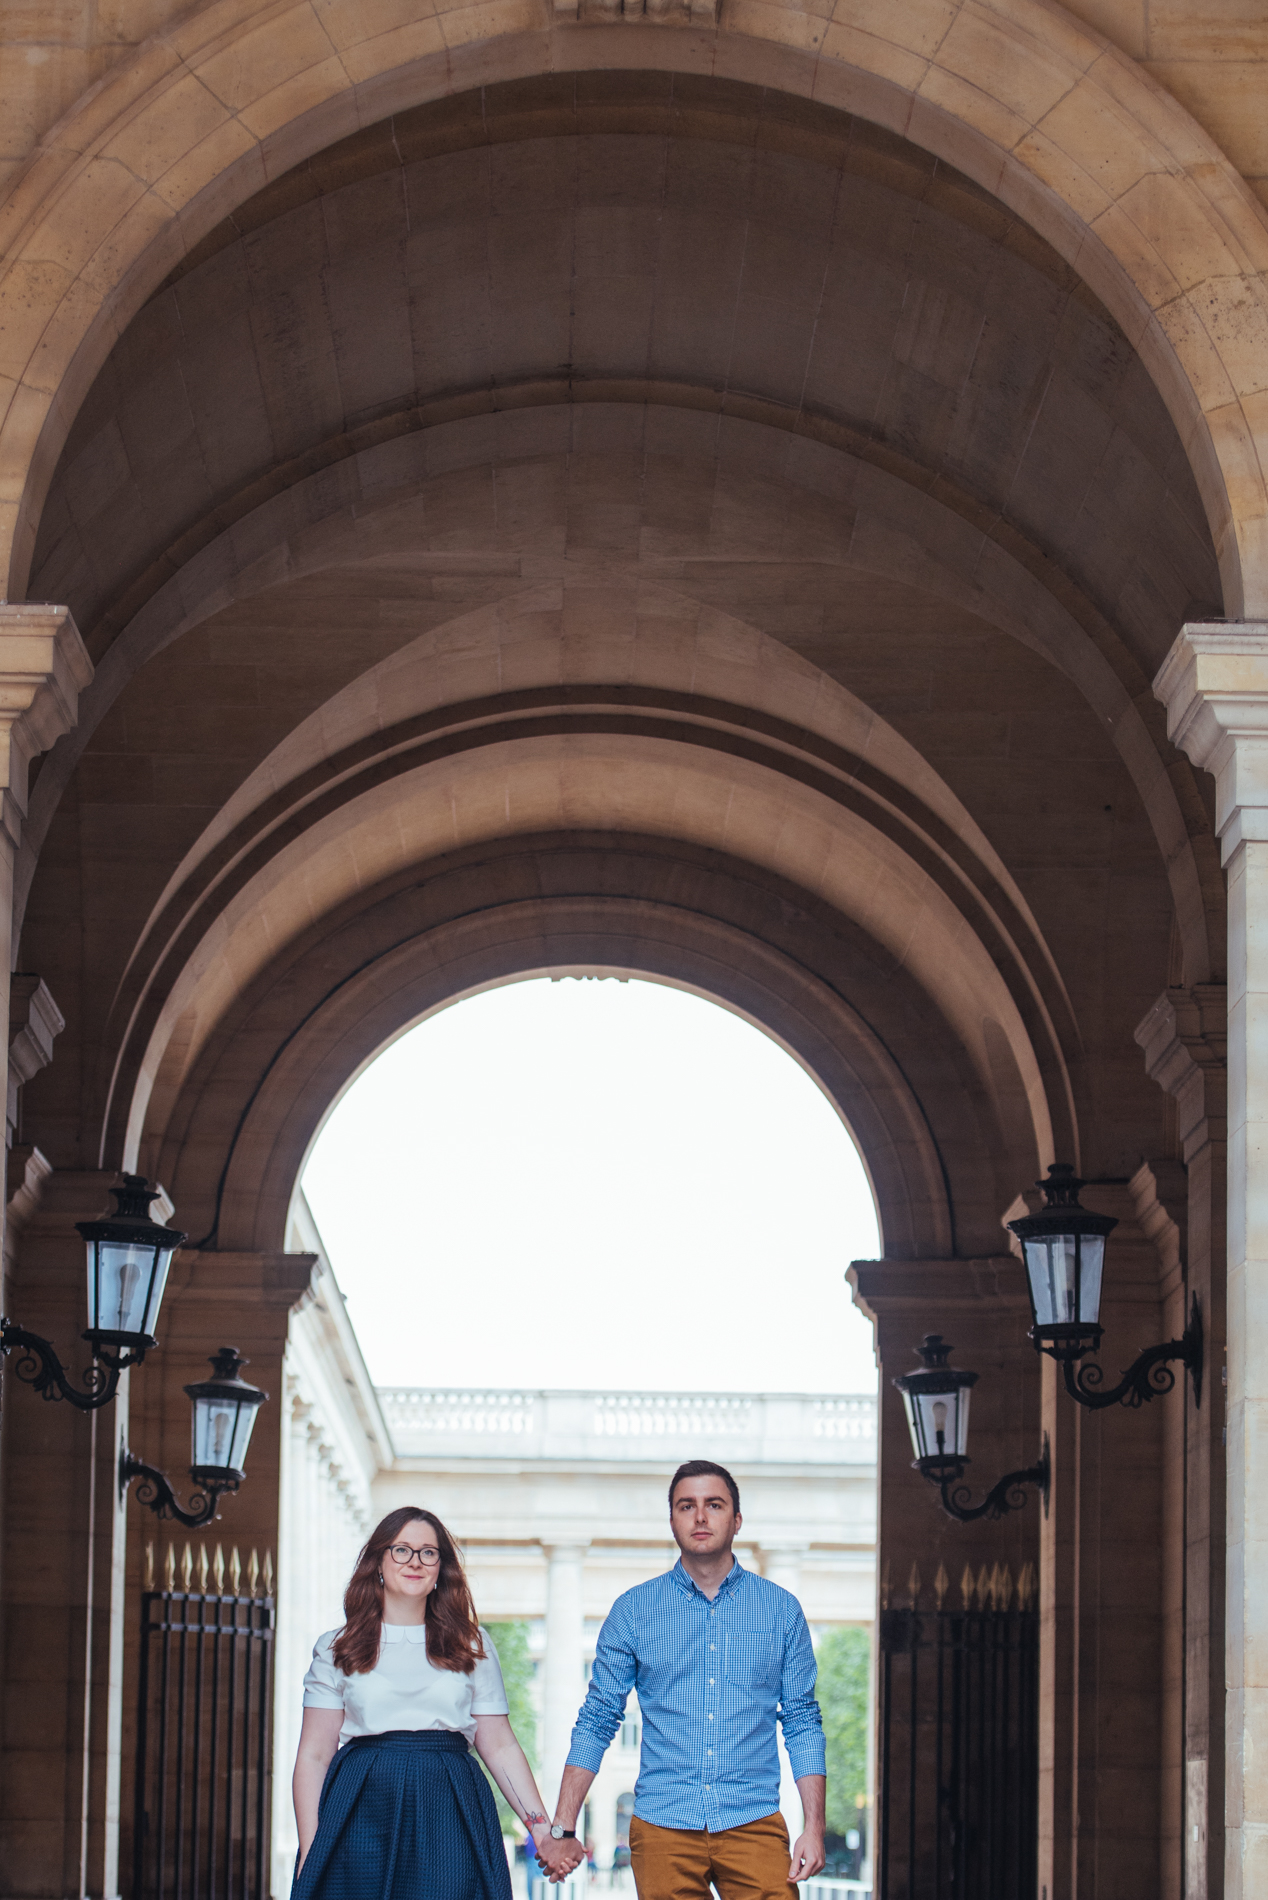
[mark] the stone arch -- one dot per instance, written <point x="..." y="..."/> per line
<point x="543" y="936"/>
<point x="365" y="506"/>
<point x="774" y="843"/>
<point x="1033" y="105"/>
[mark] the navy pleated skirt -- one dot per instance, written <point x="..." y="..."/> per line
<point x="405" y="1816"/>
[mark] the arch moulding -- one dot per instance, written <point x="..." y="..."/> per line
<point x="803" y="865"/>
<point x="1033" y="105"/>
<point x="562" y="935"/>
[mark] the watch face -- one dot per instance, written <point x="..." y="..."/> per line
<point x="556" y="1832"/>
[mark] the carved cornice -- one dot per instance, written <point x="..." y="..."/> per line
<point x="35" y="1022"/>
<point x="44" y="667"/>
<point x="1185" y="1042"/>
<point x="1214" y="685"/>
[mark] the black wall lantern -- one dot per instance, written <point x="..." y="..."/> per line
<point x="128" y="1260"/>
<point x="936" y="1399"/>
<point x="1063" y="1246"/>
<point x="225" y="1409"/>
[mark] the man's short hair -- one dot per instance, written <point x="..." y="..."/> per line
<point x="701" y="1468"/>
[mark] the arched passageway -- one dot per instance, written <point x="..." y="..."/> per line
<point x="625" y="496"/>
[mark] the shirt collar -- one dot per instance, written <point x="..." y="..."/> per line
<point x="688" y="1585"/>
<point x="404" y="1632"/>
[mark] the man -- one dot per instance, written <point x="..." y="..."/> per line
<point x="717" y="1656"/>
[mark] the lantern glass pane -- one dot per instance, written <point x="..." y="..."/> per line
<point x="915" y="1424"/>
<point x="245" y="1425"/>
<point x="932" y="1413"/>
<point x="1050" y="1265"/>
<point x="215" y="1428"/>
<point x="1065" y="1278"/>
<point x="1091" y="1267"/>
<point x="128" y="1279"/>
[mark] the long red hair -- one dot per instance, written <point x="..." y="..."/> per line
<point x="453" y="1635"/>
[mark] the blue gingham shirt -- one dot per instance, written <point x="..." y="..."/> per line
<point x="712" y="1680"/>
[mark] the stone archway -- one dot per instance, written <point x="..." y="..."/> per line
<point x="412" y="826"/>
<point x="1034" y="106"/>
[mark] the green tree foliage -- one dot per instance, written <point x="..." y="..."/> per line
<point x="845" y="1662"/>
<point x="511" y="1642"/>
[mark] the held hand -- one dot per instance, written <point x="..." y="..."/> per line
<point x="558" y="1858"/>
<point x="807" y="1857"/>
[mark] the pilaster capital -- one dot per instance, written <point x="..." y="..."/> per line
<point x="44" y="667"/>
<point x="1214" y="685"/>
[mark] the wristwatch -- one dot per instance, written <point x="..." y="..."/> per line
<point x="558" y="1833"/>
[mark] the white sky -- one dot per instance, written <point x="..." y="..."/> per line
<point x="595" y="1184"/>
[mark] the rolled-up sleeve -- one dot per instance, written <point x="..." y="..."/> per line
<point x="799" y="1711"/>
<point x="610" y="1683"/>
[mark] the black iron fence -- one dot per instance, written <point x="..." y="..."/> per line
<point x="203" y="1780"/>
<point x="958" y="1748"/>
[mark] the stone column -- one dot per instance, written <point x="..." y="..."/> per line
<point x="44" y="667"/>
<point x="781" y="1564"/>
<point x="1103" y="1654"/>
<point x="981" y="1307"/>
<point x="563" y="1683"/>
<point x="1214" y="684"/>
<point x="63" y="1599"/>
<point x="213" y="1300"/>
<point x="1184" y="1038"/>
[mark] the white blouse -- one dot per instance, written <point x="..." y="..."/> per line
<point x="405" y="1689"/>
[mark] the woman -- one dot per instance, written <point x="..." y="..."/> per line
<point x="389" y="1803"/>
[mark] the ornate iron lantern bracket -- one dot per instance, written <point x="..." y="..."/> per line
<point x="38" y="1365"/>
<point x="128" y="1260"/>
<point x="936" y="1398"/>
<point x="155" y="1492"/>
<point x="1008" y="1495"/>
<point x="224" y="1413"/>
<point x="1063" y="1249"/>
<point x="1148" y="1377"/>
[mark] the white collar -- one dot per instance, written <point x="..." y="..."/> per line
<point x="404" y="1632"/>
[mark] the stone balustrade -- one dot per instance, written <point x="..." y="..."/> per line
<point x="798" y="1429"/>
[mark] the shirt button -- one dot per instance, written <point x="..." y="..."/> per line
<point x="711" y="1718"/>
<point x="711" y="1682"/>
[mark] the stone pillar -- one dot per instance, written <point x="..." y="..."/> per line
<point x="981" y="1307"/>
<point x="563" y="1685"/>
<point x="63" y="1572"/>
<point x="213" y="1299"/>
<point x="1214" y="684"/>
<point x="44" y="667"/>
<point x="781" y="1564"/>
<point x="1184" y="1038"/>
<point x="1103" y="1658"/>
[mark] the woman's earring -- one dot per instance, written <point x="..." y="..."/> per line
<point x="380" y="1576"/>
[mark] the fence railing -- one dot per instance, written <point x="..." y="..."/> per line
<point x="958" y="1753"/>
<point x="203" y="1767"/>
<point x="771" y="1427"/>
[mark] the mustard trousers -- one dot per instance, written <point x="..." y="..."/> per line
<point x="743" y="1863"/>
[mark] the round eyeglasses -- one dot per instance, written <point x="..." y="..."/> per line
<point x="402" y="1553"/>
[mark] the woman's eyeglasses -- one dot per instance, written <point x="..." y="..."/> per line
<point x="402" y="1554"/>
